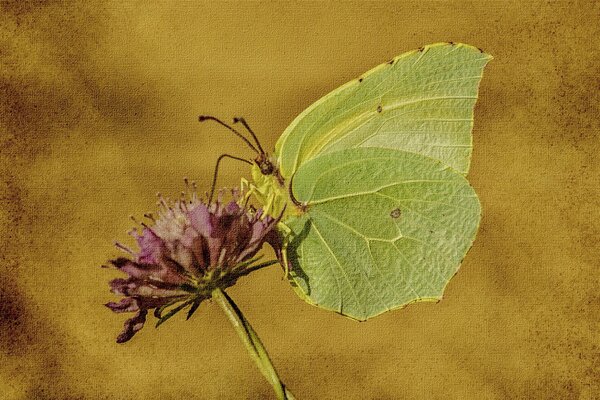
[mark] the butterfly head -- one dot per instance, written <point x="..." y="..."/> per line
<point x="266" y="166"/>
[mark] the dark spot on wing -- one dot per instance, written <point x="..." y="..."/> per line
<point x="480" y="49"/>
<point x="391" y="62"/>
<point x="421" y="48"/>
<point x="360" y="80"/>
<point x="379" y="108"/>
<point x="451" y="43"/>
<point x="395" y="213"/>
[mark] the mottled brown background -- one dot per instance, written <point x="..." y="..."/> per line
<point x="98" y="107"/>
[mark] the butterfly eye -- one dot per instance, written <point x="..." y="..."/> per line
<point x="266" y="167"/>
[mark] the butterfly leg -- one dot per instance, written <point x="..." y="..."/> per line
<point x="249" y="189"/>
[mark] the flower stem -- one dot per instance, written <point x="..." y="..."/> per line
<point x="252" y="342"/>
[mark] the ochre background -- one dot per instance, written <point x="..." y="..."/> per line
<point x="98" y="108"/>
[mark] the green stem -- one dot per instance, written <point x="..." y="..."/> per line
<point x="252" y="342"/>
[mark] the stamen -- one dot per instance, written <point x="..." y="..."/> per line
<point x="194" y="192"/>
<point x="162" y="203"/>
<point x="124" y="248"/>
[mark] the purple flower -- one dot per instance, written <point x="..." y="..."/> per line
<point x="191" y="249"/>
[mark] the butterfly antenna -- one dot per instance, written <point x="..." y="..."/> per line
<point x="215" y="174"/>
<point x="243" y="122"/>
<point x="203" y="118"/>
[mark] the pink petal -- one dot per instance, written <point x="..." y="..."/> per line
<point x="132" y="326"/>
<point x="200" y="220"/>
<point x="128" y="304"/>
<point x="151" y="246"/>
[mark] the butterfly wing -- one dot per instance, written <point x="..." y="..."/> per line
<point x="421" y="101"/>
<point x="382" y="228"/>
<point x="379" y="164"/>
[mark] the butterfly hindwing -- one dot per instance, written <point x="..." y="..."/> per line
<point x="382" y="228"/>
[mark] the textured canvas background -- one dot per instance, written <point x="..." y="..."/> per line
<point x="98" y="108"/>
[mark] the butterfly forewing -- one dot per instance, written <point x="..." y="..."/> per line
<point x="421" y="101"/>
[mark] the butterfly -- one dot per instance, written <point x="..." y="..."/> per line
<point x="370" y="179"/>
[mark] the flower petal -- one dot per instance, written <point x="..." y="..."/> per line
<point x="132" y="326"/>
<point x="150" y="246"/>
<point x="261" y="231"/>
<point x="165" y="271"/>
<point x="200" y="220"/>
<point x="127" y="304"/>
<point x="232" y="208"/>
<point x="142" y="288"/>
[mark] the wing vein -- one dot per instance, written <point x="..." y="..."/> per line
<point x="358" y="302"/>
<point x="364" y="274"/>
<point x="348" y="195"/>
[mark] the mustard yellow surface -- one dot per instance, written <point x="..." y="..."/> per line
<point x="98" y="112"/>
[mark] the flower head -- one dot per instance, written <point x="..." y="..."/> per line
<point x="190" y="249"/>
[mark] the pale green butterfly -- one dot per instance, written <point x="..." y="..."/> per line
<point x="377" y="212"/>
